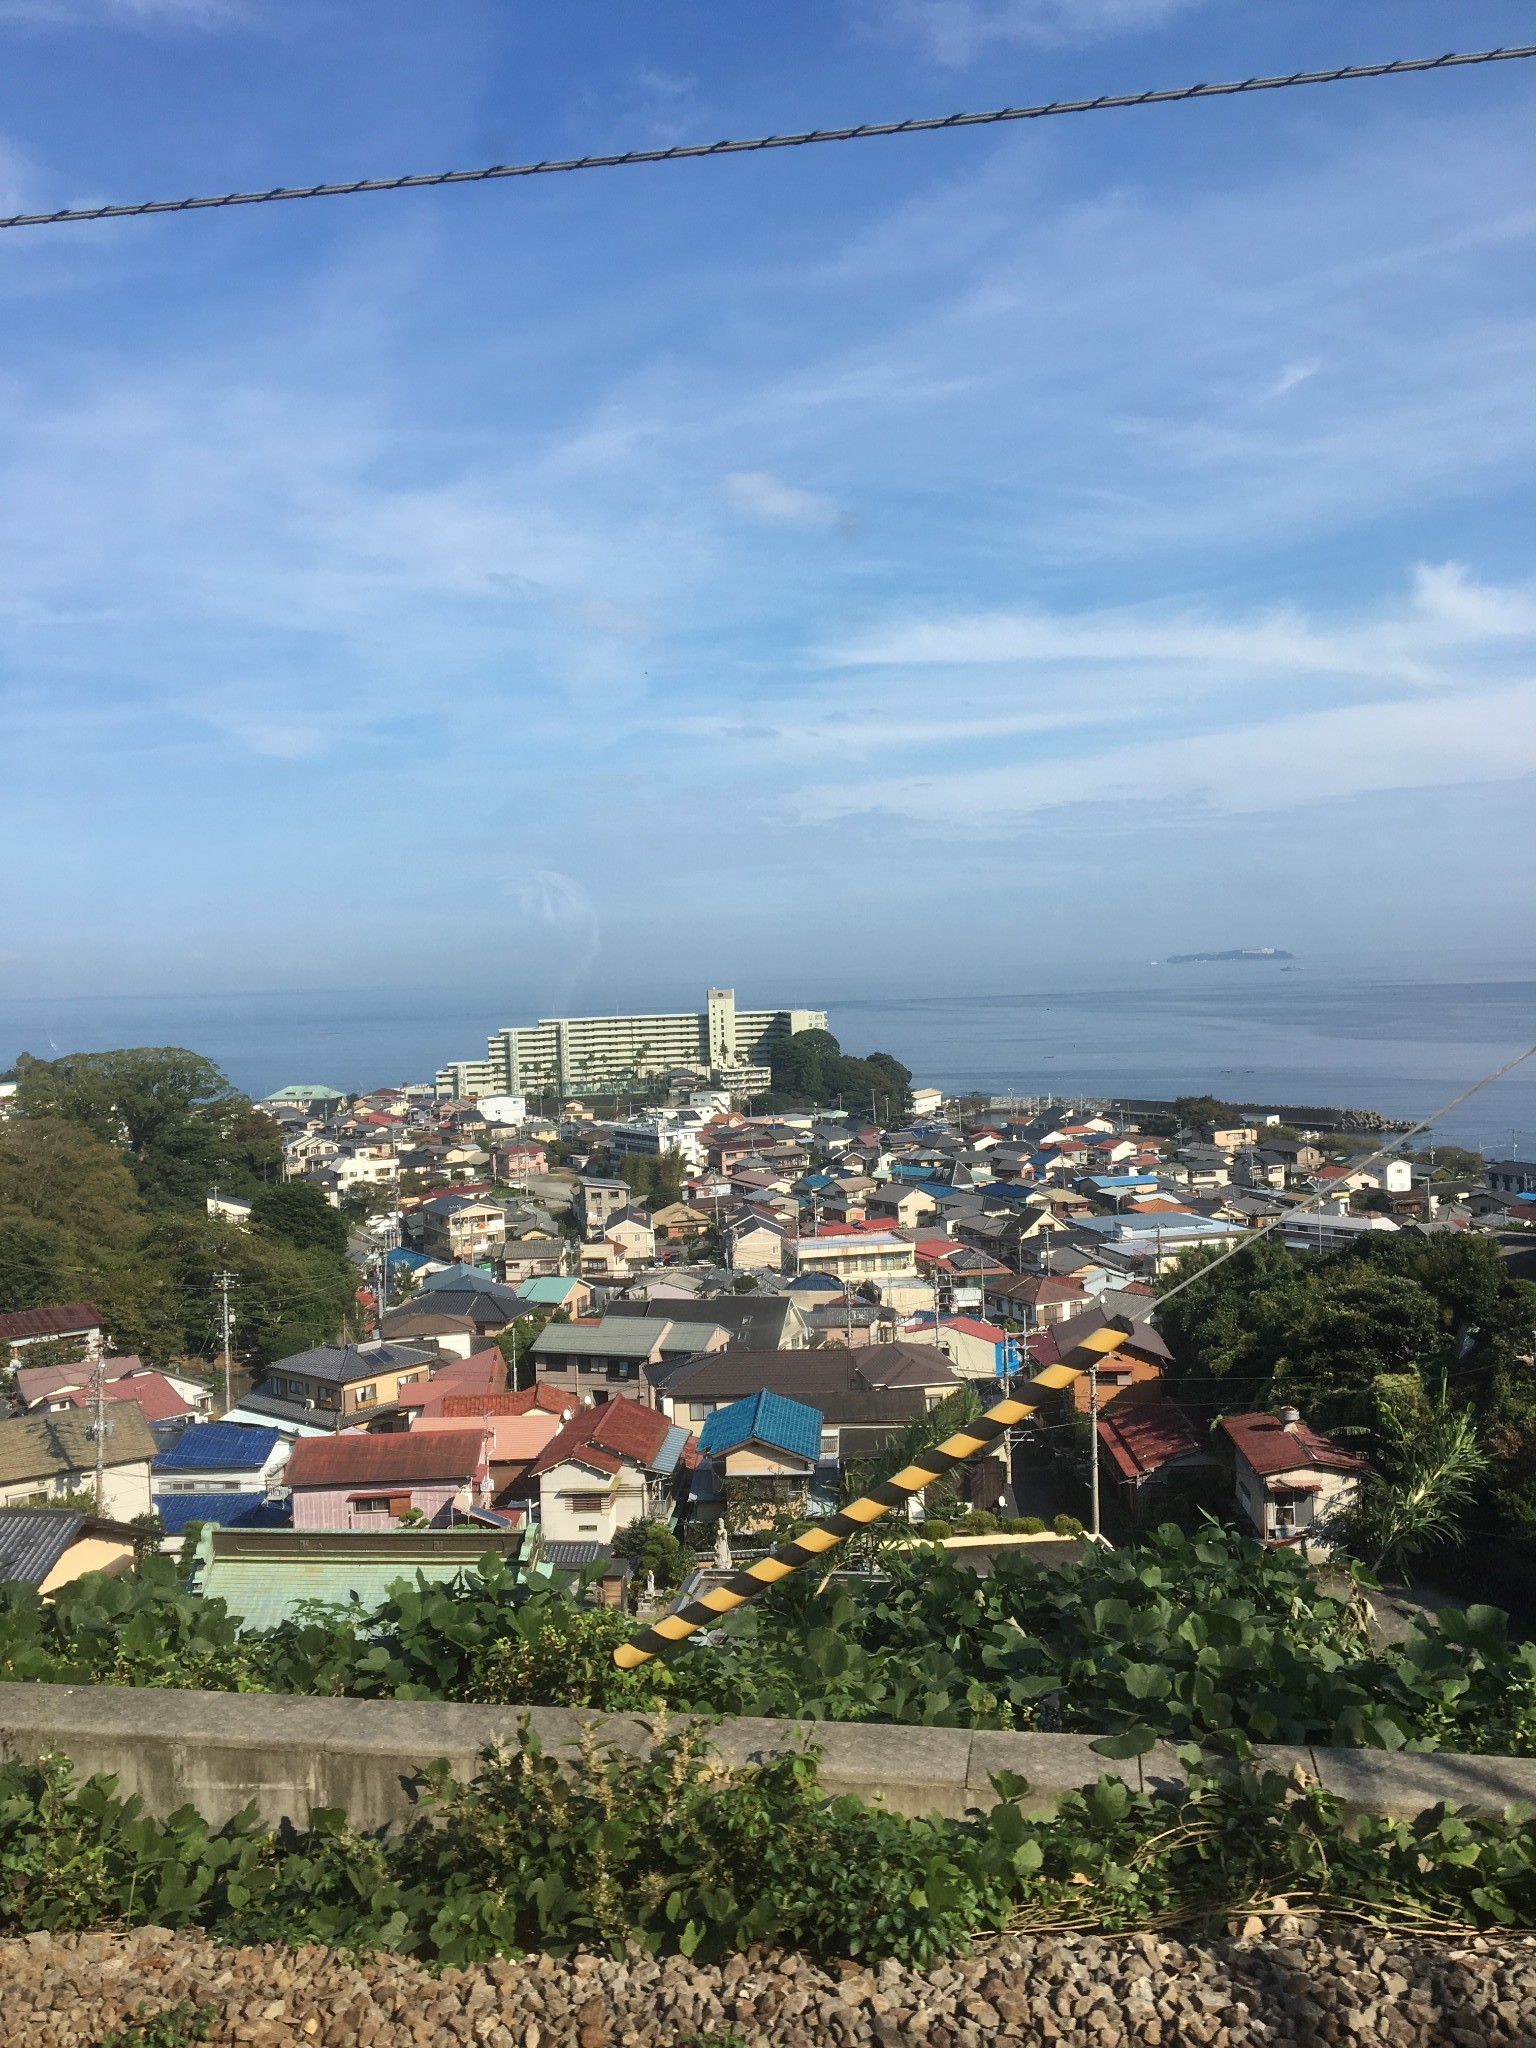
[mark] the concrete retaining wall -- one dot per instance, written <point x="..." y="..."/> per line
<point x="219" y="1751"/>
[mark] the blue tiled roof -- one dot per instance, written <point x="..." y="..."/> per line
<point x="176" y="1510"/>
<point x="766" y="1419"/>
<point x="219" y="1447"/>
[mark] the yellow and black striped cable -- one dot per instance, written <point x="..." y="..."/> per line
<point x="753" y="1580"/>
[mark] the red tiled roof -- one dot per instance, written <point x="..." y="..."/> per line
<point x="1143" y="1436"/>
<point x="619" y="1428"/>
<point x="1269" y="1446"/>
<point x="969" y="1326"/>
<point x="549" y="1399"/>
<point x="151" y="1390"/>
<point x="395" y="1459"/>
<point x="66" y="1319"/>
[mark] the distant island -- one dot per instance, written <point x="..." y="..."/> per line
<point x="1233" y="953"/>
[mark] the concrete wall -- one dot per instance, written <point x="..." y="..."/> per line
<point x="218" y="1751"/>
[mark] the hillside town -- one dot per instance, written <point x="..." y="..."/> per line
<point x="651" y="1308"/>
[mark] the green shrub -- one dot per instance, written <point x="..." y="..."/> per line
<point x="935" y="1529"/>
<point x="1030" y="1525"/>
<point x="673" y="1851"/>
<point x="173" y="2026"/>
<point x="1067" y="1525"/>
<point x="981" y="1523"/>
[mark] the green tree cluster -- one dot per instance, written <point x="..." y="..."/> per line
<point x="1387" y="1340"/>
<point x="105" y="1171"/>
<point x="654" y="1181"/>
<point x="811" y="1070"/>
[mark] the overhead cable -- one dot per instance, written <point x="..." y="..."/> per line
<point x="1357" y="1166"/>
<point x="865" y="132"/>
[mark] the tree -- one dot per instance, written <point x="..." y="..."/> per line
<point x="27" y="1267"/>
<point x="1431" y="1462"/>
<point x="175" y="1114"/>
<point x="811" y="1068"/>
<point x="297" y="1212"/>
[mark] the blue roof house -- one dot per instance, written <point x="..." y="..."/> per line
<point x="222" y="1457"/>
<point x="763" y="1449"/>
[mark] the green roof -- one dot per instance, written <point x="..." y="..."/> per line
<point x="264" y="1575"/>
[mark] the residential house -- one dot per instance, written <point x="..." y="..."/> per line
<point x="51" y="1547"/>
<point x="336" y="1386"/>
<point x="593" y="1361"/>
<point x="1035" y="1299"/>
<point x="908" y="1206"/>
<point x="518" y="1160"/>
<point x="597" y="1201"/>
<point x="761" y="1452"/>
<point x="462" y="1228"/>
<point x="756" y="1245"/>
<point x="519" y="1425"/>
<point x="1504" y="1177"/>
<point x="230" y="1208"/>
<point x="1145" y="1447"/>
<point x="978" y="1350"/>
<point x="74" y="1326"/>
<point x="451" y="1336"/>
<point x="152" y="1393"/>
<point x="679" y="1223"/>
<point x="609" y="1466"/>
<point x="1327" y="1228"/>
<point x="877" y="1256"/>
<point x="40" y="1387"/>
<point x="869" y="1393"/>
<point x="362" y="1482"/>
<point x="489" y="1305"/>
<point x="43" y="1456"/>
<point x="753" y="1322"/>
<point x="852" y="1323"/>
<point x="1136" y="1369"/>
<point x="633" y="1235"/>
<point x="222" y="1457"/>
<point x="1290" y="1481"/>
<point x="555" y="1291"/>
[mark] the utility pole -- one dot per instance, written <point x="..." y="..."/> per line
<point x="1093" y="1449"/>
<point x="223" y="1282"/>
<point x="100" y="1430"/>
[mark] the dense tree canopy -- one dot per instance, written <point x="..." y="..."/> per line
<point x="297" y="1213"/>
<point x="181" y="1125"/>
<point x="1393" y="1325"/>
<point x="811" y="1069"/>
<point x="104" y="1176"/>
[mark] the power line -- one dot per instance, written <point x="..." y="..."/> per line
<point x="866" y="132"/>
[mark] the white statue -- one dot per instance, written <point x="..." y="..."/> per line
<point x="650" y="1585"/>
<point x="723" y="1559"/>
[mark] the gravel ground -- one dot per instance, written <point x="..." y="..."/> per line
<point x="1292" y="1987"/>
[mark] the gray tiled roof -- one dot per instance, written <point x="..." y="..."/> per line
<point x="340" y="1364"/>
<point x="46" y="1446"/>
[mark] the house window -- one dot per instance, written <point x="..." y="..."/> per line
<point x="588" y="1503"/>
<point x="379" y="1505"/>
<point x="700" y="1411"/>
<point x="297" y="1388"/>
<point x="365" y="1396"/>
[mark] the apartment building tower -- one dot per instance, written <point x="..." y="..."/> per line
<point x="602" y="1055"/>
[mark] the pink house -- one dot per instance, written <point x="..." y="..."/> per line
<point x="358" y="1481"/>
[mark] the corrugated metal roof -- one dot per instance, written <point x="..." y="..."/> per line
<point x="613" y="1337"/>
<point x="32" y="1540"/>
<point x="263" y="1577"/>
<point x="220" y="1446"/>
<point x="228" y="1510"/>
<point x="766" y="1419"/>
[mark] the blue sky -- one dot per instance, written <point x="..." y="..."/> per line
<point x="1027" y="545"/>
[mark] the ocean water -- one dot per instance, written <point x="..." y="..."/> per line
<point x="1386" y="1037"/>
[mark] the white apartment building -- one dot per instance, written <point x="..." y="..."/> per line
<point x="565" y="1055"/>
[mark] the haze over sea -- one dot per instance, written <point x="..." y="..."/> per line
<point x="1397" y="1035"/>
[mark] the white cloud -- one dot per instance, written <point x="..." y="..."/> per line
<point x="955" y="31"/>
<point x="1449" y="617"/>
<point x="762" y="495"/>
<point x="1275" y="766"/>
<point x="126" y="13"/>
